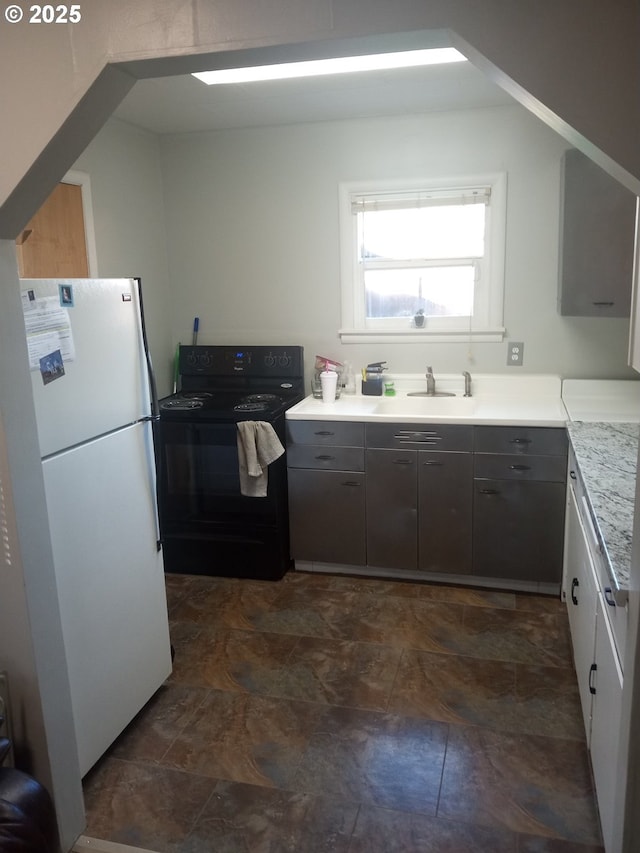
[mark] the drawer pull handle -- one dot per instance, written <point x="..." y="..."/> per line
<point x="575" y="583"/>
<point x="608" y="597"/>
<point x="417" y="436"/>
<point x="489" y="491"/>
<point x="604" y="303"/>
<point x="324" y="457"/>
<point x="432" y="462"/>
<point x="572" y="474"/>
<point x="593" y="669"/>
<point x="324" y="432"/>
<point x="520" y="467"/>
<point x="402" y="462"/>
<point x="350" y="483"/>
<point x="520" y="441"/>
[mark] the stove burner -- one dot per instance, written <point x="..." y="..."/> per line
<point x="196" y="395"/>
<point x="182" y="404"/>
<point x="251" y="407"/>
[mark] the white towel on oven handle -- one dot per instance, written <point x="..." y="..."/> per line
<point x="258" y="447"/>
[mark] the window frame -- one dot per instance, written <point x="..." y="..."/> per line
<point x="487" y="321"/>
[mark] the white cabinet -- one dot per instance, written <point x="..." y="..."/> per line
<point x="582" y="595"/>
<point x="597" y="665"/>
<point x="606" y="684"/>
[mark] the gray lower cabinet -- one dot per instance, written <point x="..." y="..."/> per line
<point x="486" y="502"/>
<point x="519" y="501"/>
<point x="325" y="468"/>
<point x="392" y="508"/>
<point x="445" y="498"/>
<point x="518" y="529"/>
<point x="327" y="516"/>
<point x="419" y="497"/>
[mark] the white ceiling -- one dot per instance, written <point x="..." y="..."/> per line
<point x="186" y="105"/>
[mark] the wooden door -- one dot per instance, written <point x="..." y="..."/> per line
<point x="53" y="244"/>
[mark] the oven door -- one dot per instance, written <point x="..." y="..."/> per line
<point x="199" y="481"/>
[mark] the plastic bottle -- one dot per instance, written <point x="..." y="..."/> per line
<point x="348" y="379"/>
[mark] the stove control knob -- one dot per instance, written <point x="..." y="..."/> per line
<point x="269" y="360"/>
<point x="284" y="361"/>
<point x="192" y="359"/>
<point x="204" y="359"/>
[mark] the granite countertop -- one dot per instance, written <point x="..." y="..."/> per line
<point x="607" y="456"/>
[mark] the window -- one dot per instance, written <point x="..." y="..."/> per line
<point x="435" y="251"/>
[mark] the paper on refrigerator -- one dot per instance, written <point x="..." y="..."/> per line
<point x="48" y="328"/>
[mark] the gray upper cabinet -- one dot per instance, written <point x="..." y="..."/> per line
<point x="597" y="216"/>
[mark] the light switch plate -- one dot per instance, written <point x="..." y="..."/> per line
<point x="515" y="353"/>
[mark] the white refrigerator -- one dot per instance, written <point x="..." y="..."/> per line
<point x="95" y="402"/>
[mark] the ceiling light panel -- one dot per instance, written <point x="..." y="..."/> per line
<point x="339" y="65"/>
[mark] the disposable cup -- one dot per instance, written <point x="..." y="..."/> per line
<point x="329" y="382"/>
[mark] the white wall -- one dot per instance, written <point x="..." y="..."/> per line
<point x="252" y="219"/>
<point x="126" y="187"/>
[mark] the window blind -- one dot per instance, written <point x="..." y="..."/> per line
<point x="370" y="203"/>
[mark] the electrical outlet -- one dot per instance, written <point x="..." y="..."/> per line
<point x="515" y="353"/>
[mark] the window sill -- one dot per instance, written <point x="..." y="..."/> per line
<point x="403" y="336"/>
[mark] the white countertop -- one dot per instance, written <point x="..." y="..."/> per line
<point x="606" y="400"/>
<point x="496" y="400"/>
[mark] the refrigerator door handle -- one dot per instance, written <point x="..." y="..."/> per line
<point x="151" y="460"/>
<point x="153" y="390"/>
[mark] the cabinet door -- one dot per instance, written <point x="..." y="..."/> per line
<point x="518" y="530"/>
<point x="327" y="516"/>
<point x="445" y="502"/>
<point x="605" y="723"/>
<point x="392" y="508"/>
<point x="596" y="241"/>
<point x="580" y="585"/>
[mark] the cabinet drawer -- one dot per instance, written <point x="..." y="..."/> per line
<point x="543" y="441"/>
<point x="416" y="436"/>
<point x="328" y="457"/>
<point x="325" y="432"/>
<point x="503" y="466"/>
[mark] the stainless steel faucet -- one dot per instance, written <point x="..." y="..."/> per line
<point x="467" y="383"/>
<point x="431" y="382"/>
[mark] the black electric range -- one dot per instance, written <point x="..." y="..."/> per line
<point x="207" y="525"/>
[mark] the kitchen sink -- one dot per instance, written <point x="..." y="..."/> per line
<point x="437" y="407"/>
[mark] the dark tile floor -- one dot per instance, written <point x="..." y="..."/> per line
<point x="335" y="714"/>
